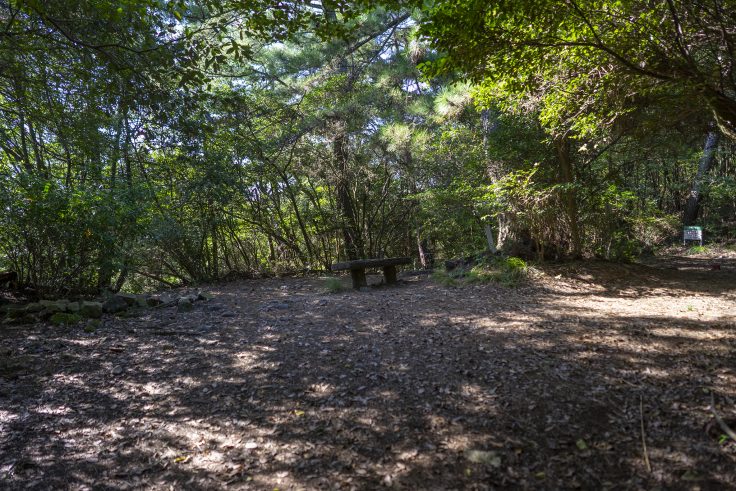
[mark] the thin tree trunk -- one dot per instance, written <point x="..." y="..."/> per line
<point x="426" y="258"/>
<point x="692" y="206"/>
<point x="505" y="237"/>
<point x="350" y="229"/>
<point x="569" y="197"/>
<point x="489" y="237"/>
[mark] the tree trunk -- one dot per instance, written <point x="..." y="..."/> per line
<point x="692" y="206"/>
<point x="426" y="258"/>
<point x="569" y="198"/>
<point x="489" y="237"/>
<point x="724" y="110"/>
<point x="494" y="174"/>
<point x="351" y="232"/>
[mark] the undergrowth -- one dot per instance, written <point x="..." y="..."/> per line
<point x="698" y="249"/>
<point x="507" y="271"/>
<point x="333" y="285"/>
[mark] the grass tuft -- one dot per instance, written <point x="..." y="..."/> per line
<point x="334" y="285"/>
<point x="698" y="249"/>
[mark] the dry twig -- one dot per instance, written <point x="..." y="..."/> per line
<point x="643" y="436"/>
<point x="724" y="427"/>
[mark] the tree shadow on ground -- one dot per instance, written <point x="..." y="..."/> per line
<point x="676" y="277"/>
<point x="415" y="387"/>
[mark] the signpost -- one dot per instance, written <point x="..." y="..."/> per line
<point x="692" y="233"/>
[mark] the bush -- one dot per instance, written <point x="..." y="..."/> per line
<point x="65" y="319"/>
<point x="698" y="249"/>
<point x="334" y="285"/>
<point x="507" y="271"/>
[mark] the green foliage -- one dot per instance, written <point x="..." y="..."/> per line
<point x="57" y="238"/>
<point x="65" y="319"/>
<point x="334" y="285"/>
<point x="145" y="144"/>
<point x="698" y="249"/>
<point x="510" y="272"/>
<point x="585" y="64"/>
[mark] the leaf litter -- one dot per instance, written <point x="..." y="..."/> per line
<point x="418" y="386"/>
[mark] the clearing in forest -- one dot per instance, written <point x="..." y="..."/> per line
<point x="597" y="376"/>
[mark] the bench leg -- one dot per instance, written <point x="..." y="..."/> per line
<point x="358" y="276"/>
<point x="389" y="272"/>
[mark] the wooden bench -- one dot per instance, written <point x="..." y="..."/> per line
<point x="357" y="269"/>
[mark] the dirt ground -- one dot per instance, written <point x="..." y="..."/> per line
<point x="595" y="376"/>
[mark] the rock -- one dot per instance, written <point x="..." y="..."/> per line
<point x="167" y="298"/>
<point x="53" y="306"/>
<point x="22" y="319"/>
<point x="117" y="370"/>
<point x="65" y="319"/>
<point x="73" y="307"/>
<point x="484" y="457"/>
<point x="17" y="311"/>
<point x="130" y="299"/>
<point x="90" y="309"/>
<point x="153" y="301"/>
<point x="184" y="304"/>
<point x="33" y="307"/>
<point x="115" y="304"/>
<point x="204" y="296"/>
<point x="275" y="306"/>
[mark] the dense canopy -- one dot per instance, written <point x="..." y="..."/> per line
<point x="147" y="142"/>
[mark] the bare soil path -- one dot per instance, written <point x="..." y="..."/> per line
<point x="277" y="384"/>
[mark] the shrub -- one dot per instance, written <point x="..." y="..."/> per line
<point x="507" y="271"/>
<point x="65" y="319"/>
<point x="334" y="285"/>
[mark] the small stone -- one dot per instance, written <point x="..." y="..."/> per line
<point x="251" y="445"/>
<point x="117" y="370"/>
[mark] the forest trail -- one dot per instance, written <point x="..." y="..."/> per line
<point x="277" y="384"/>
